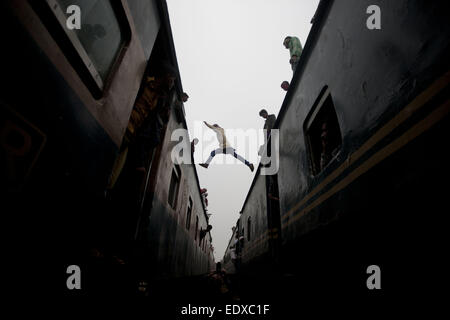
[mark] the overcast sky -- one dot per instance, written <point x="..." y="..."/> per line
<point x="232" y="61"/>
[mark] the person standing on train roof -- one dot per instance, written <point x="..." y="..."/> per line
<point x="270" y="120"/>
<point x="295" y="50"/>
<point x="224" y="147"/>
<point x="268" y="125"/>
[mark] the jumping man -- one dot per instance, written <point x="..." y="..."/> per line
<point x="225" y="147"/>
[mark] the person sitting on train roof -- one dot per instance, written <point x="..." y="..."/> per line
<point x="225" y="147"/>
<point x="146" y="122"/>
<point x="285" y="85"/>
<point x="295" y="50"/>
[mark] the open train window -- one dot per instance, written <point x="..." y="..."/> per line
<point x="322" y="132"/>
<point x="189" y="213"/>
<point x="174" y="186"/>
<point x="96" y="47"/>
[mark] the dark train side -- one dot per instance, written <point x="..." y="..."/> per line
<point x="66" y="100"/>
<point x="374" y="192"/>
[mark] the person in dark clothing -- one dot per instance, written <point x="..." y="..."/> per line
<point x="268" y="125"/>
<point x="204" y="232"/>
<point x="270" y="120"/>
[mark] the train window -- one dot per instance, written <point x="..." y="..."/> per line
<point x="322" y="132"/>
<point x="174" y="186"/>
<point x="188" y="215"/>
<point x="94" y="48"/>
<point x="249" y="224"/>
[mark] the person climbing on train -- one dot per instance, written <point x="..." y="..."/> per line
<point x="204" y="194"/>
<point x="295" y="50"/>
<point x="147" y="119"/>
<point x="204" y="232"/>
<point x="225" y="147"/>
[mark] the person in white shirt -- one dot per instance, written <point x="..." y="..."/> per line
<point x="224" y="147"/>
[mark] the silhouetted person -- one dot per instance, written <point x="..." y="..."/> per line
<point x="270" y="120"/>
<point x="285" y="85"/>
<point x="268" y="125"/>
<point x="204" y="232"/>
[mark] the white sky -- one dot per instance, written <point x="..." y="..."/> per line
<point x="232" y="61"/>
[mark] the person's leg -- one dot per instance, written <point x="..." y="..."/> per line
<point x="211" y="156"/>
<point x="232" y="151"/>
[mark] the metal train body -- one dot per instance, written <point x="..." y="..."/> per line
<point x="380" y="199"/>
<point x="70" y="127"/>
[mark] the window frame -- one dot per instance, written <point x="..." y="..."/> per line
<point x="53" y="15"/>
<point x="318" y="105"/>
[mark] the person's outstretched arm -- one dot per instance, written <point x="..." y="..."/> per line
<point x="208" y="125"/>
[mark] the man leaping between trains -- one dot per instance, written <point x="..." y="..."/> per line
<point x="225" y="147"/>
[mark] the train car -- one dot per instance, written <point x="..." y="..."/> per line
<point x="178" y="218"/>
<point x="66" y="98"/>
<point x="362" y="173"/>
